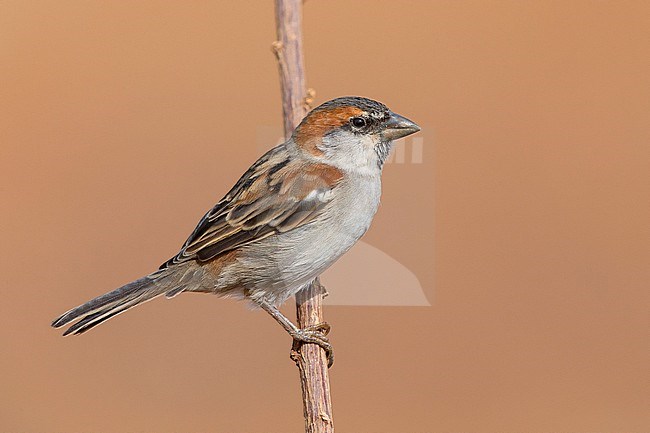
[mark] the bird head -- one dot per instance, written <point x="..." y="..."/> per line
<point x="351" y="133"/>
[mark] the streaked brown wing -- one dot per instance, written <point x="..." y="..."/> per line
<point x="275" y="195"/>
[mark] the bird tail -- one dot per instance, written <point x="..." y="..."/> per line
<point x="102" y="308"/>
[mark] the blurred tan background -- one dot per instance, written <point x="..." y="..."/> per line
<point x="526" y="224"/>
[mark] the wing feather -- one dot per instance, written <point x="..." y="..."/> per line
<point x="275" y="195"/>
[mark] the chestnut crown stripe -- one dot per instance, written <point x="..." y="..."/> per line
<point x="319" y="122"/>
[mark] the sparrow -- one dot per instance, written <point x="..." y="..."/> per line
<point x="292" y="214"/>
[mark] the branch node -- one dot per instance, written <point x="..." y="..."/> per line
<point x="295" y="355"/>
<point x="309" y="98"/>
<point x="276" y="47"/>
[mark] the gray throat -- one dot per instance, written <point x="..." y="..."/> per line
<point x="383" y="150"/>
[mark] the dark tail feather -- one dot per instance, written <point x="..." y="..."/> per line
<point x="102" y="308"/>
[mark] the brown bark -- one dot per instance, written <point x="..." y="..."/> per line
<point x="310" y="359"/>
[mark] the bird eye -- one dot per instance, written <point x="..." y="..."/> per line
<point x="358" y="122"/>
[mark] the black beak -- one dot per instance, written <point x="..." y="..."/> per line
<point x="398" y="127"/>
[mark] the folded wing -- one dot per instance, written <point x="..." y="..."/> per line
<point x="275" y="195"/>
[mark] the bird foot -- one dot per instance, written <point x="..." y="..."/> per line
<point x="315" y="334"/>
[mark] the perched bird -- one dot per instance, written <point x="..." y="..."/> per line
<point x="291" y="215"/>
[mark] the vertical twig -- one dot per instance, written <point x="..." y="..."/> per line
<point x="312" y="363"/>
<point x="309" y="358"/>
<point x="288" y="50"/>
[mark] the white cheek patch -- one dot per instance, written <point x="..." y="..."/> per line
<point x="351" y="152"/>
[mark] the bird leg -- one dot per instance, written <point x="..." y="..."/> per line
<point x="316" y="334"/>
